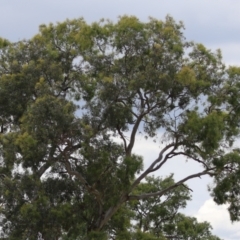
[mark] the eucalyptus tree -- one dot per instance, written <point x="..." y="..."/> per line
<point x="68" y="93"/>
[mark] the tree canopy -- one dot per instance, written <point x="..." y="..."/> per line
<point x="68" y="93"/>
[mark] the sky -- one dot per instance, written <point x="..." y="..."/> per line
<point x="215" y="23"/>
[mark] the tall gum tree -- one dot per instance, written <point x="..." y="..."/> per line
<point x="68" y="92"/>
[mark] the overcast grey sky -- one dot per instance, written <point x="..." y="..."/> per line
<point x="215" y="23"/>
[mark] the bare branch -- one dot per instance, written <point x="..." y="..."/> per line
<point x="162" y="192"/>
<point x="193" y="158"/>
<point x="141" y="98"/>
<point x="187" y="187"/>
<point x="110" y="212"/>
<point x="133" y="134"/>
<point x="123" y="138"/>
<point x="43" y="168"/>
<point x="168" y="156"/>
<point x="48" y="163"/>
<point x="151" y="167"/>
<point x="147" y="100"/>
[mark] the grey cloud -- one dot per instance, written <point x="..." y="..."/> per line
<point x="206" y="21"/>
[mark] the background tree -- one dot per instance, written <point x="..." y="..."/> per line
<point x="160" y="217"/>
<point x="67" y="93"/>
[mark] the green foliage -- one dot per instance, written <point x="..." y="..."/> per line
<point x="73" y="100"/>
<point x="154" y="213"/>
<point x="184" y="227"/>
<point x="226" y="189"/>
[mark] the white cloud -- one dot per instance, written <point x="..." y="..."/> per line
<point x="218" y="217"/>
